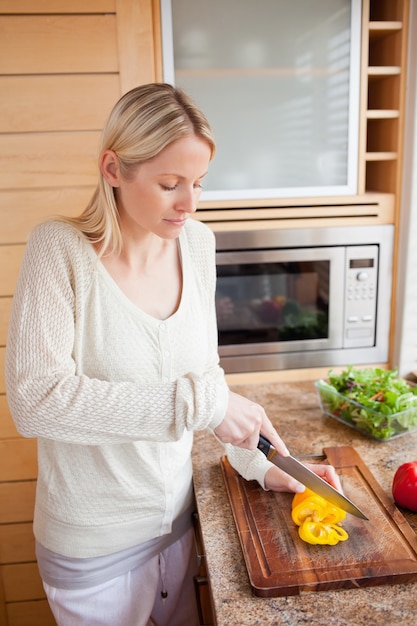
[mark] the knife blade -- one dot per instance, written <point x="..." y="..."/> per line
<point x="300" y="472"/>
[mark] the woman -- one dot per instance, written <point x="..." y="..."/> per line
<point x="112" y="364"/>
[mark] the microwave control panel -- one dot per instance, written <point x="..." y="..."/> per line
<point x="361" y="286"/>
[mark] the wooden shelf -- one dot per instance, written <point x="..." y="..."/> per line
<point x="378" y="71"/>
<point x="379" y="30"/>
<point x="381" y="156"/>
<point x="385" y="48"/>
<point x="382" y="114"/>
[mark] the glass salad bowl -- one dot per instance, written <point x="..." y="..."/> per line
<point x="354" y="399"/>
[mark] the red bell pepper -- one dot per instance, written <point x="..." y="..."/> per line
<point x="404" y="486"/>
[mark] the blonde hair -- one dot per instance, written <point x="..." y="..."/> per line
<point x="142" y="123"/>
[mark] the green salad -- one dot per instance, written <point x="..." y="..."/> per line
<point x="375" y="401"/>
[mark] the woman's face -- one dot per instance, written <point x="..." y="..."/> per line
<point x="162" y="193"/>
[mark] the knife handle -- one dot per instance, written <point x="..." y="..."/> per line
<point x="264" y="445"/>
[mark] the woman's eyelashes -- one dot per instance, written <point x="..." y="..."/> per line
<point x="174" y="187"/>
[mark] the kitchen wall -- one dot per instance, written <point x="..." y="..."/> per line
<point x="63" y="63"/>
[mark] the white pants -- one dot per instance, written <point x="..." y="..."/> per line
<point x="136" y="598"/>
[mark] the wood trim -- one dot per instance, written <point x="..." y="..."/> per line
<point x="308" y="201"/>
<point x="157" y="36"/>
<point x="286" y="224"/>
<point x="298" y="375"/>
<point x="405" y="4"/>
<point x="363" y="98"/>
<point x="223" y="226"/>
<point x="382" y="213"/>
<point x="135" y="43"/>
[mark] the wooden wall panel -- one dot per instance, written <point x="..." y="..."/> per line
<point x="17" y="543"/>
<point x="17" y="501"/>
<point x="38" y="160"/>
<point x="2" y="382"/>
<point x="137" y="52"/>
<point x="18" y="459"/>
<point x="4" y="621"/>
<point x="5" y="304"/>
<point x="7" y="427"/>
<point x="54" y="103"/>
<point x="31" y="206"/>
<point x="56" y="6"/>
<point x="21" y="582"/>
<point x="56" y="44"/>
<point x="63" y="64"/>
<point x="10" y="260"/>
<point x="36" y="613"/>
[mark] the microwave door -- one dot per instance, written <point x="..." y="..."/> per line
<point x="280" y="301"/>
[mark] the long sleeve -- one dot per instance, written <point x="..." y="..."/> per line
<point x="112" y="394"/>
<point x="251" y="464"/>
<point x="56" y="310"/>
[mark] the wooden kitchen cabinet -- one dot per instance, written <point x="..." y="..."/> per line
<point x="385" y="34"/>
<point x="383" y="63"/>
<point x="279" y="83"/>
<point x="201" y="581"/>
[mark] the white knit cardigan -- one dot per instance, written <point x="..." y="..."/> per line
<point x="112" y="394"/>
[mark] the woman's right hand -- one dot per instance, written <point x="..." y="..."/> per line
<point x="244" y="421"/>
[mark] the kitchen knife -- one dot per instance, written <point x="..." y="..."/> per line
<point x="300" y="472"/>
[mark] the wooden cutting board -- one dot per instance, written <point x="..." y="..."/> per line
<point x="382" y="550"/>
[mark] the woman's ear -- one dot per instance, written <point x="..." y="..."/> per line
<point x="110" y="169"/>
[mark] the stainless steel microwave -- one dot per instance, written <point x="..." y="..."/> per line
<point x="303" y="297"/>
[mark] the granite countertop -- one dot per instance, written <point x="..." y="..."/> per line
<point x="294" y="410"/>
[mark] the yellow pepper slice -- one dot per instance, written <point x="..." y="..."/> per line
<point x="320" y="533"/>
<point x="318" y="520"/>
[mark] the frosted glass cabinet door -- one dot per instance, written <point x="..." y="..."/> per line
<point x="279" y="83"/>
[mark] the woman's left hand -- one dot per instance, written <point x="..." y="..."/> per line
<point x="277" y="480"/>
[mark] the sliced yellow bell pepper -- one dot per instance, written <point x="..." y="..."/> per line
<point x="318" y="520"/>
